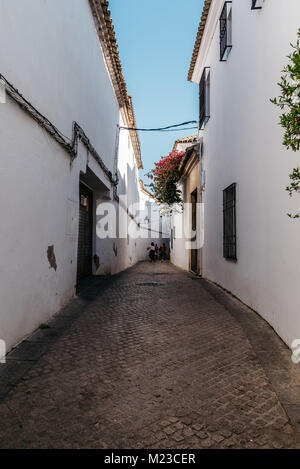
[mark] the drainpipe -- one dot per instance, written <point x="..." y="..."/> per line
<point x="115" y="168"/>
<point x="202" y="185"/>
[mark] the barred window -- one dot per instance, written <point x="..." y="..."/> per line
<point x="229" y="222"/>
<point x="257" y="4"/>
<point x="226" y="31"/>
<point x="204" y="98"/>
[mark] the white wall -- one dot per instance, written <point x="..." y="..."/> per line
<point x="38" y="194"/>
<point x="180" y="254"/>
<point x="51" y="52"/>
<point x="157" y="228"/>
<point x="122" y="252"/>
<point x="243" y="144"/>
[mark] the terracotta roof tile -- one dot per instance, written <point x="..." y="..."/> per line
<point x="200" y="33"/>
<point x="143" y="189"/>
<point x="109" y="45"/>
<point x="192" y="139"/>
<point x="134" y="134"/>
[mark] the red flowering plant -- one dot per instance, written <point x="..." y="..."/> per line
<point x="165" y="177"/>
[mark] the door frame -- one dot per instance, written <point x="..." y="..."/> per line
<point x="194" y="253"/>
<point x="91" y="223"/>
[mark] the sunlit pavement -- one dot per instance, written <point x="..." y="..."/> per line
<point x="151" y="358"/>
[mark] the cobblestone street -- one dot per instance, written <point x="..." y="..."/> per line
<point x="151" y="358"/>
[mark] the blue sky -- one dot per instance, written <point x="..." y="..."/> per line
<point x="156" y="40"/>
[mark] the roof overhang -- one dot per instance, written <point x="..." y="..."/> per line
<point x="145" y="191"/>
<point x="207" y="27"/>
<point x="185" y="142"/>
<point x="199" y="37"/>
<point x="190" y="159"/>
<point x="129" y="118"/>
<point x="108" y="41"/>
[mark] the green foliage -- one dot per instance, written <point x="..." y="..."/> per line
<point x="295" y="184"/>
<point x="294" y="187"/>
<point x="289" y="102"/>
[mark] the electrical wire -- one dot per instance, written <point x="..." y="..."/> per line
<point x="71" y="145"/>
<point x="178" y="130"/>
<point x="15" y="92"/>
<point x="162" y="129"/>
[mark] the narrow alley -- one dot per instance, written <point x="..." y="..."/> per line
<point x="153" y="357"/>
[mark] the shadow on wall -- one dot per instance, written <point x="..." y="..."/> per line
<point x="112" y="254"/>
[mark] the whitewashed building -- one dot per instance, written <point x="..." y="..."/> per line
<point x="153" y="220"/>
<point x="185" y="236"/>
<point x="64" y="152"/>
<point x="251" y="247"/>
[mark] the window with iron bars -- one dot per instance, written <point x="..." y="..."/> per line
<point x="229" y="222"/>
<point x="226" y="31"/>
<point x="204" y="98"/>
<point x="257" y="4"/>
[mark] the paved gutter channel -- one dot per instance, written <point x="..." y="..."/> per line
<point x="270" y="350"/>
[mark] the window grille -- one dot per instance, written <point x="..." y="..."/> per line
<point x="204" y="97"/>
<point x="257" y="4"/>
<point x="229" y="222"/>
<point x="225" y="31"/>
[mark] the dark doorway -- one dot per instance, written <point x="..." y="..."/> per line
<point x="194" y="252"/>
<point x="85" y="235"/>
